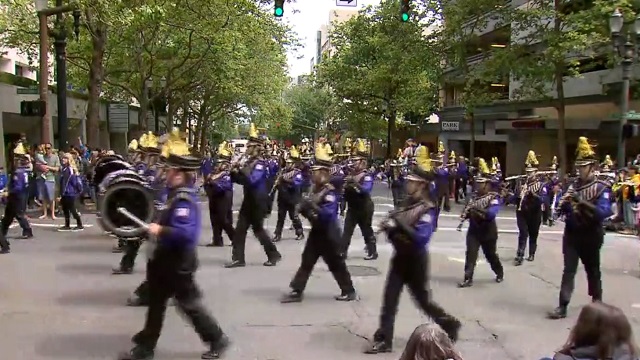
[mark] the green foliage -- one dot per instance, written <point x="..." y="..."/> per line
<point x="218" y="57"/>
<point x="382" y="66"/>
<point x="311" y="107"/>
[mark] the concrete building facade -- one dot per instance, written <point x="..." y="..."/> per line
<point x="509" y="127"/>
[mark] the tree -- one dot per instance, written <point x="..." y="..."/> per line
<point x="311" y="107"/>
<point x="459" y="40"/>
<point x="382" y="67"/>
<point x="552" y="38"/>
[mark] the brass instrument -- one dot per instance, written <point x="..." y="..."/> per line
<point x="515" y="177"/>
<point x="282" y="176"/>
<point x="309" y="205"/>
<point x="524" y="190"/>
<point x="477" y="204"/>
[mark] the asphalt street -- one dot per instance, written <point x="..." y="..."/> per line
<point x="58" y="299"/>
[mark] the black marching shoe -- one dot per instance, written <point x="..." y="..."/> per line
<point x="517" y="261"/>
<point x="531" y="257"/>
<point x="499" y="278"/>
<point x="371" y="256"/>
<point x="379" y="347"/>
<point x="5" y="251"/>
<point x="451" y="326"/>
<point x="137" y="353"/>
<point x="300" y="236"/>
<point x="558" y="313"/>
<point x="217" y="350"/>
<point x="350" y="296"/>
<point x="136" y="301"/>
<point x="117" y="249"/>
<point x="276" y="238"/>
<point x="294" y="296"/>
<point x="121" y="271"/>
<point x="27" y="234"/>
<point x="273" y="260"/>
<point x="215" y="244"/>
<point x="466" y="283"/>
<point x="235" y="264"/>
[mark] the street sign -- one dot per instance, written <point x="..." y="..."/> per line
<point x="347" y="3"/>
<point x="632" y="115"/>
<point x="28" y="91"/>
<point x="118" y="118"/>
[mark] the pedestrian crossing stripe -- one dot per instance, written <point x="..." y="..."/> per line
<point x="46" y="225"/>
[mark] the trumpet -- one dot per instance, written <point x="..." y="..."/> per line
<point x="239" y="162"/>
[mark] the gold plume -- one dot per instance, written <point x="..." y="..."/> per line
<point x="494" y="164"/>
<point x="360" y="147"/>
<point x="152" y="140"/>
<point x="133" y="145"/>
<point x="223" y="149"/>
<point x="608" y="161"/>
<point x="423" y="160"/>
<point x="584" y="149"/>
<point x="399" y="154"/>
<point x="178" y="148"/>
<point x="347" y="144"/>
<point x="322" y="154"/>
<point x="532" y="160"/>
<point x="166" y="149"/>
<point x="293" y="152"/>
<point x="440" y="147"/>
<point x="327" y="147"/>
<point x="253" y="132"/>
<point x="452" y="155"/>
<point x="142" y="142"/>
<point x="20" y="150"/>
<point x="482" y="166"/>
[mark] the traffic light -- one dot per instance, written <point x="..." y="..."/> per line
<point x="278" y="11"/>
<point x="33" y="108"/>
<point x="630" y="130"/>
<point x="405" y="7"/>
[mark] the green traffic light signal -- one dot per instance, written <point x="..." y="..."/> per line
<point x="278" y="11"/>
<point x="405" y="17"/>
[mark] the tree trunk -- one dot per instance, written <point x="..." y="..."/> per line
<point x="96" y="77"/>
<point x="143" y="112"/>
<point x="472" y="140"/>
<point x="203" y="134"/>
<point x="184" y="123"/>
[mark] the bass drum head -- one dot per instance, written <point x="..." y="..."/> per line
<point x="103" y="169"/>
<point x="132" y="196"/>
<point x="120" y="175"/>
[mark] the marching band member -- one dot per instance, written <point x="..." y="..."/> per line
<point x="16" y="205"/>
<point x="321" y="209"/>
<point x="585" y="205"/>
<point x="397" y="180"/>
<point x="442" y="181"/>
<point x="71" y="187"/>
<point x="219" y="189"/>
<point x="462" y="178"/>
<point x="252" y="175"/>
<point x="171" y="271"/>
<point x="481" y="211"/>
<point x="289" y="186"/>
<point x="147" y="167"/>
<point x="409" y="230"/>
<point x="357" y="193"/>
<point x="529" y="212"/>
<point x="451" y="167"/>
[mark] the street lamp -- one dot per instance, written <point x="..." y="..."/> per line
<point x="628" y="53"/>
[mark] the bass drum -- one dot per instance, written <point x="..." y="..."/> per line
<point x="107" y="165"/>
<point x="132" y="194"/>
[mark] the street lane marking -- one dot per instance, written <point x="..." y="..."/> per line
<point x="12" y="226"/>
<point x="450" y="258"/>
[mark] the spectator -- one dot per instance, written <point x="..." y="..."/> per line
<point x="48" y="173"/>
<point x="602" y="332"/>
<point x="430" y="342"/>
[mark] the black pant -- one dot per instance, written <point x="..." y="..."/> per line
<point x="15" y="210"/>
<point x="360" y="214"/>
<point x="398" y="195"/>
<point x="188" y="302"/>
<point x="461" y="184"/>
<point x="254" y="219"/>
<point x="546" y="213"/>
<point x="132" y="247"/>
<point x="323" y="242"/>
<point x="475" y="242"/>
<point x="528" y="222"/>
<point x="69" y="209"/>
<point x="584" y="247"/>
<point x="410" y="270"/>
<point x="285" y="208"/>
<point x="221" y="217"/>
<point x="443" y="202"/>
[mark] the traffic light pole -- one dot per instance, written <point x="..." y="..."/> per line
<point x="624" y="109"/>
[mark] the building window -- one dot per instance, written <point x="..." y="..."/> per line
<point x="20" y="70"/>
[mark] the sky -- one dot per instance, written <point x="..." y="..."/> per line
<point x="311" y="14"/>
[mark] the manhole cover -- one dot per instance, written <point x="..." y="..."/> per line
<point x="362" y="271"/>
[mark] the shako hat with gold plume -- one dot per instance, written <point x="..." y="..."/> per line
<point x="531" y="162"/>
<point x="254" y="137"/>
<point x="484" y="173"/>
<point x="584" y="153"/>
<point x="554" y="164"/>
<point x="607" y="164"/>
<point x="20" y="152"/>
<point x="495" y="166"/>
<point x="452" y="158"/>
<point x="178" y="155"/>
<point x="423" y="171"/>
<point x="441" y="151"/>
<point x="224" y="155"/>
<point x="324" y="159"/>
<point x="359" y="151"/>
<point x="148" y="143"/>
<point x="294" y="154"/>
